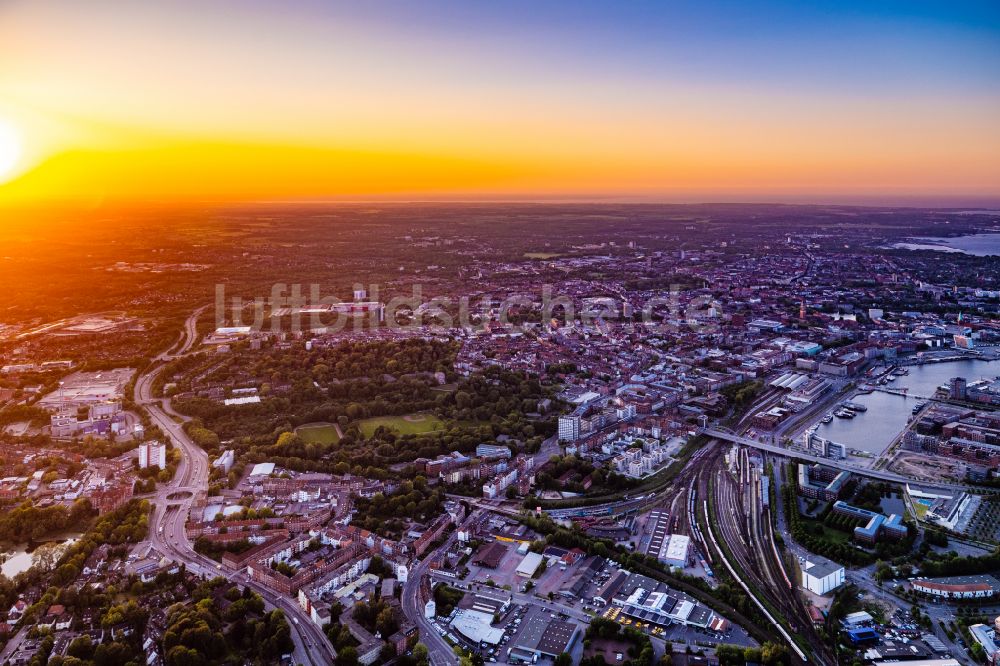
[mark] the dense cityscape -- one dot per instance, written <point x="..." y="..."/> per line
<point x="593" y="434"/>
<point x="465" y="333"/>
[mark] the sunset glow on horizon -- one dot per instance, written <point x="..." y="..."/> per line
<point x="260" y="101"/>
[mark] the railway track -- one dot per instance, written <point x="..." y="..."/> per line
<point x="677" y="501"/>
<point x="744" y="526"/>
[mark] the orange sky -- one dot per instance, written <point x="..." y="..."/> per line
<point x="124" y="101"/>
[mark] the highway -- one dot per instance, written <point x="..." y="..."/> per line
<point x="172" y="504"/>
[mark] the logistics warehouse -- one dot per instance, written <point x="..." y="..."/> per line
<point x="648" y="600"/>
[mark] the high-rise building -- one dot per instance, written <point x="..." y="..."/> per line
<point x="569" y="428"/>
<point x="959" y="388"/>
<point x="152" y="454"/>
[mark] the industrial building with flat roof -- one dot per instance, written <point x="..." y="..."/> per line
<point x="545" y="636"/>
<point x="675" y="552"/>
<point x="822" y="577"/>
<point x="529" y="565"/>
<point x="648" y="600"/>
<point x="476" y="626"/>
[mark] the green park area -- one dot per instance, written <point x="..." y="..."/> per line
<point x="318" y="433"/>
<point x="408" y="424"/>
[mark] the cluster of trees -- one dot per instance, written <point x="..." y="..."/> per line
<point x="340" y="636"/>
<point x="215" y="550"/>
<point x="419" y="656"/>
<point x="560" y="368"/>
<point x="733" y="595"/>
<point x="284" y="568"/>
<point x="129" y="613"/>
<point x="496" y="392"/>
<point x="446" y="598"/>
<point x="557" y="466"/>
<point x="16" y="413"/>
<point x="200" y="634"/>
<point x="347" y="360"/>
<point x="869" y="496"/>
<point x="385" y="513"/>
<point x="884" y="571"/>
<point x="28" y="522"/>
<point x="482" y="407"/>
<point x="413" y="499"/>
<point x="640" y="647"/>
<point x="202" y="436"/>
<point x="737" y="655"/>
<point x="127" y="524"/>
<point x="602" y="480"/>
<point x="841" y="521"/>
<point x="952" y="564"/>
<point x="291" y="445"/>
<point x="246" y="513"/>
<point x="176" y="371"/>
<point x="83" y="652"/>
<point x="377" y="615"/>
<point x="936" y="538"/>
<point x="742" y="394"/>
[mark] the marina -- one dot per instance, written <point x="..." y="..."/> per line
<point x="878" y="416"/>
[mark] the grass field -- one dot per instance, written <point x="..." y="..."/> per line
<point x="829" y="534"/>
<point x="320" y="433"/>
<point x="410" y="424"/>
<point x="541" y="255"/>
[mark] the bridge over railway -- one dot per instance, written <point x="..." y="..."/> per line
<point x="878" y="474"/>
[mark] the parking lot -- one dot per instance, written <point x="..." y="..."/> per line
<point x="503" y="575"/>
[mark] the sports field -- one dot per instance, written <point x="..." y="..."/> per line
<point x="410" y="424"/>
<point x="320" y="433"/>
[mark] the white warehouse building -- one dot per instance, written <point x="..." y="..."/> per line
<point x="675" y="552"/>
<point x="822" y="577"/>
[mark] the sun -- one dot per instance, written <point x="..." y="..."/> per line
<point x="10" y="150"/>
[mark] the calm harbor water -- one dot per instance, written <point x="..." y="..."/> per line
<point x="980" y="245"/>
<point x="887" y="414"/>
